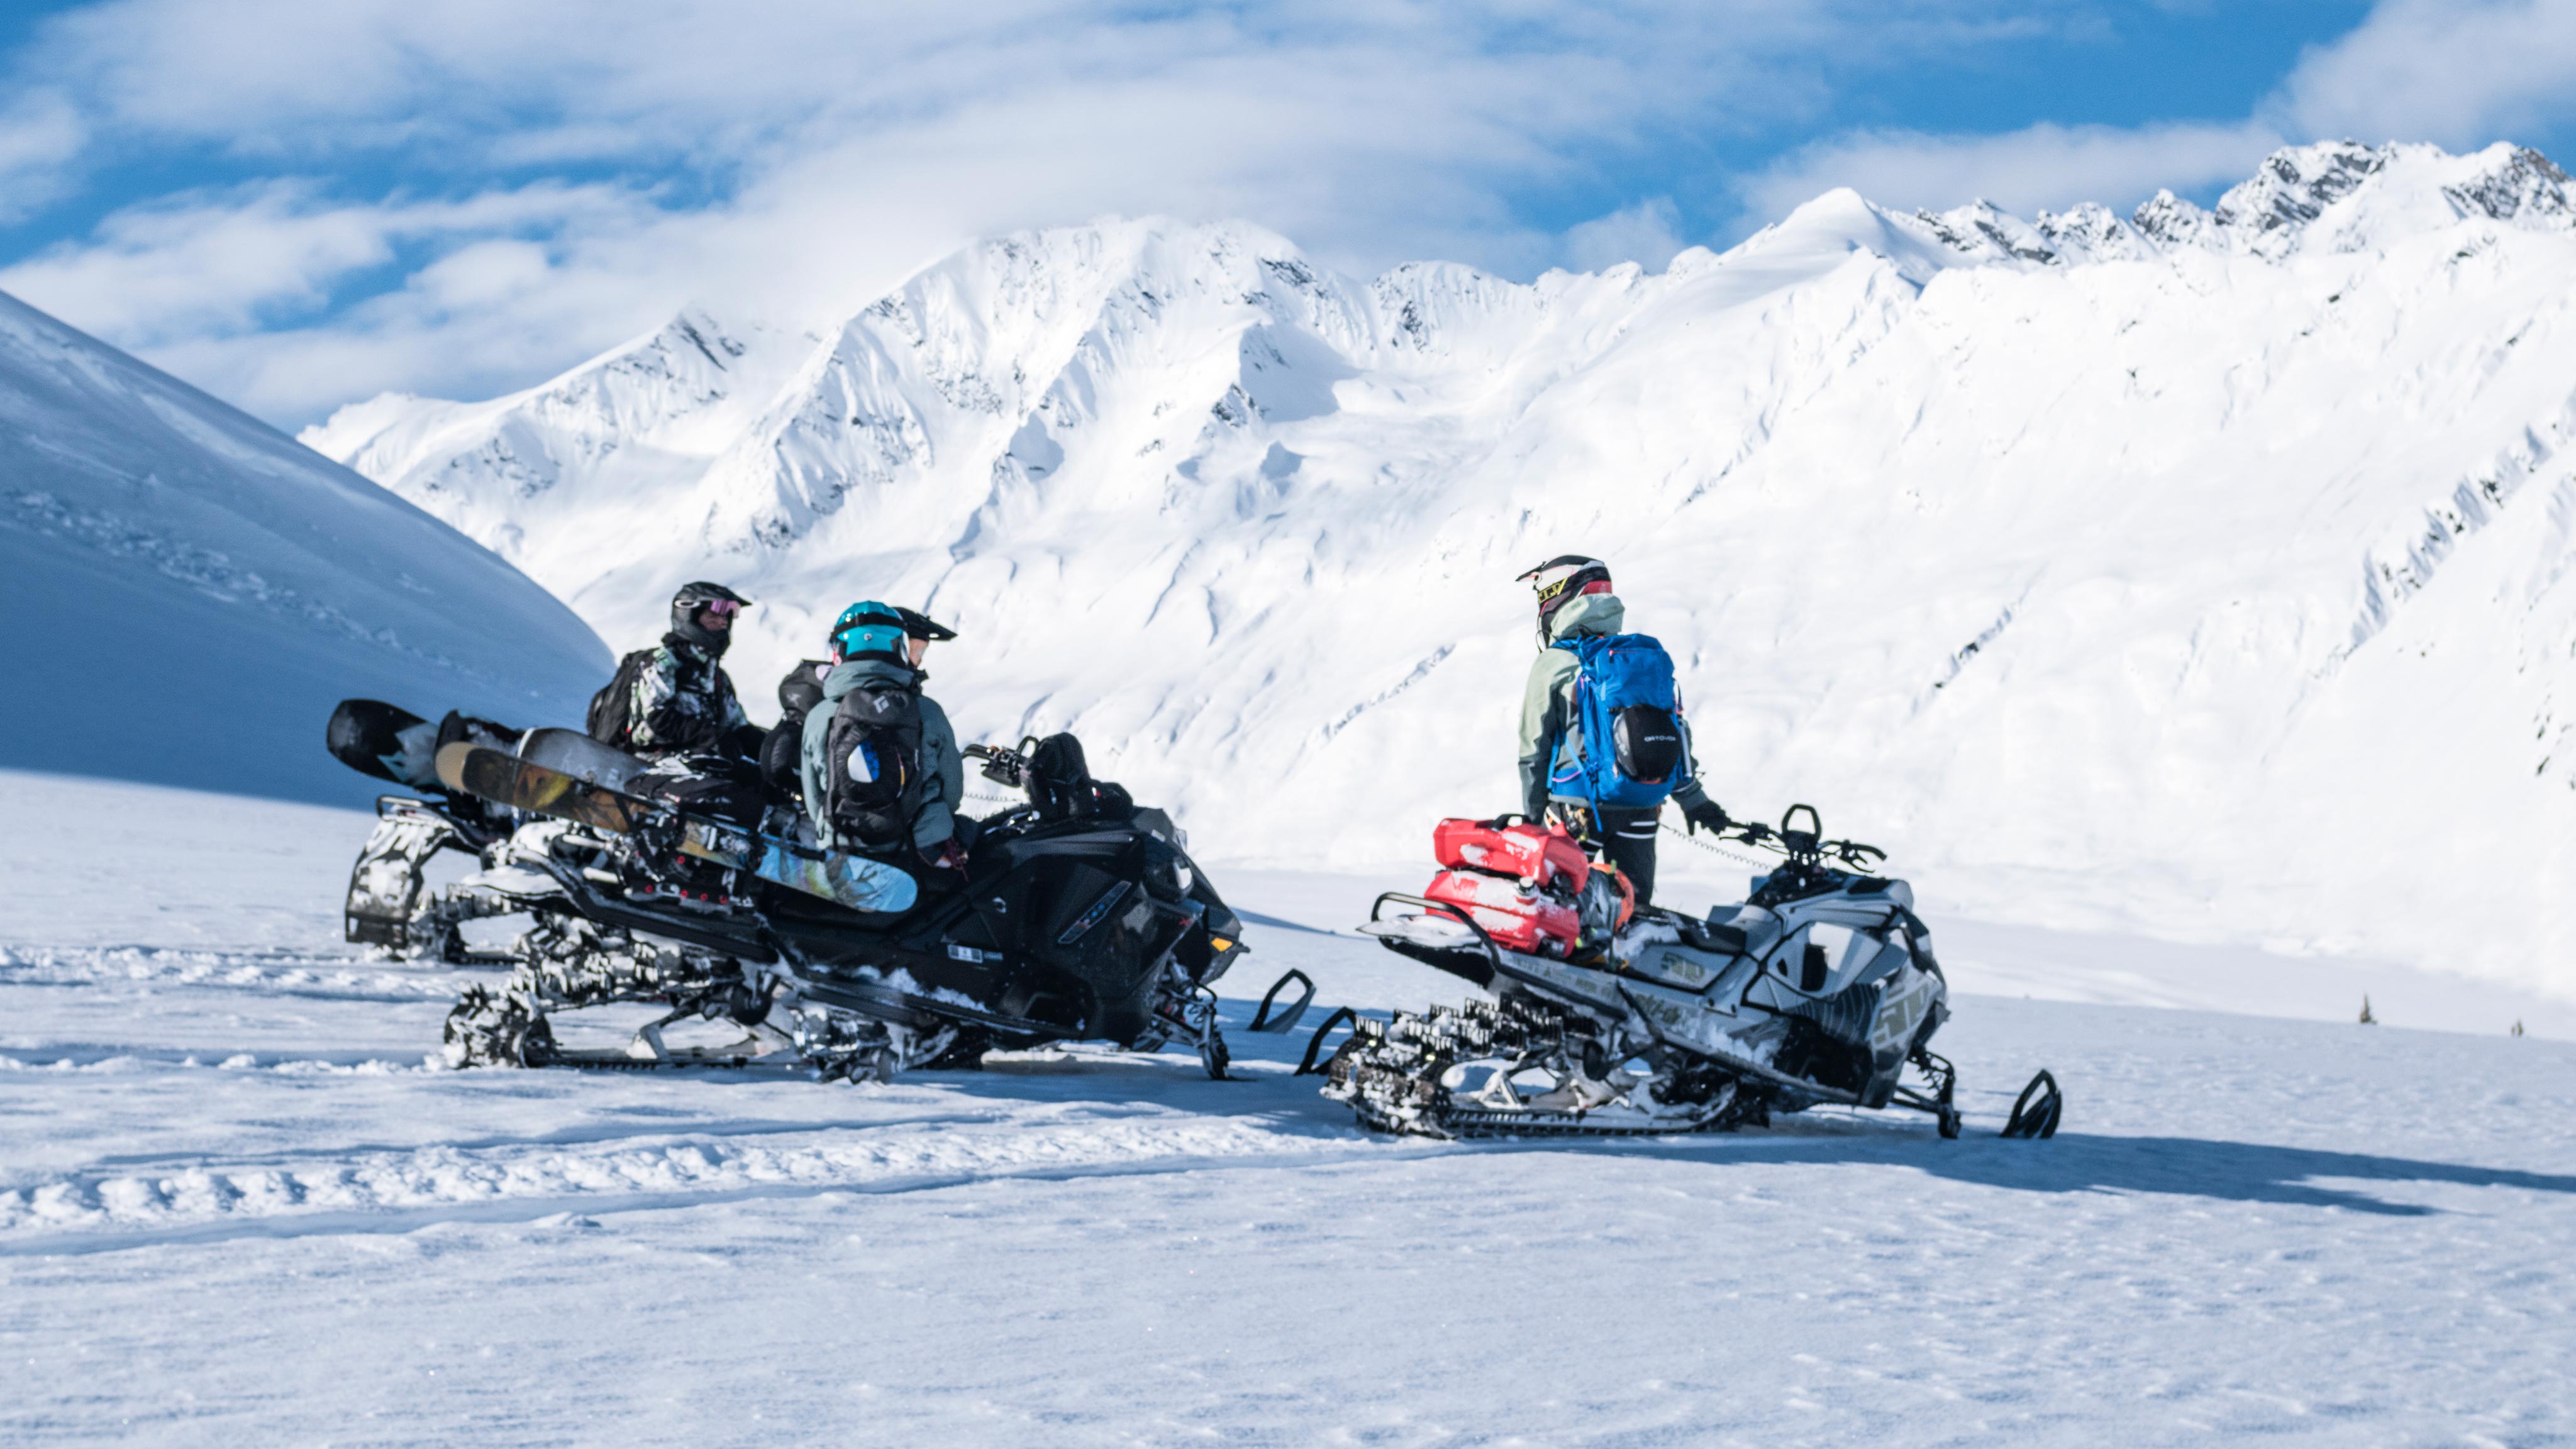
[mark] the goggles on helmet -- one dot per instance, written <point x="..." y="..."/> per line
<point x="1549" y="593"/>
<point x="1566" y="576"/>
<point x="725" y="608"/>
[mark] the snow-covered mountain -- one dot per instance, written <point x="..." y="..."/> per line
<point x="193" y="591"/>
<point x="2205" y="572"/>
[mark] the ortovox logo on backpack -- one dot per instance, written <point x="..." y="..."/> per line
<point x="873" y="753"/>
<point x="1629" y="751"/>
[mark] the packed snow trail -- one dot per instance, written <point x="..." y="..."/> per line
<point x="237" y="1205"/>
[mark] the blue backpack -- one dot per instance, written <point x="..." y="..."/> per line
<point x="1632" y="752"/>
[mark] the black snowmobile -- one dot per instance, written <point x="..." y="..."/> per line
<point x="1605" y="1020"/>
<point x="1078" y="916"/>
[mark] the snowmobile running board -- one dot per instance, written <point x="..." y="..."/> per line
<point x="905" y="1009"/>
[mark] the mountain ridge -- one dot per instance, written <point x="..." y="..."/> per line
<point x="2081" y="559"/>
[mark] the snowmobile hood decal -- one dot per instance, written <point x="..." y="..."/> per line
<point x="1092" y="917"/>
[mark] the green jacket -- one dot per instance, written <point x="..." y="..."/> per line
<point x="1549" y="732"/>
<point x="943" y="769"/>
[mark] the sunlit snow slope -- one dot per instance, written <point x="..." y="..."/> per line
<point x="2201" y="572"/>
<point x="191" y="590"/>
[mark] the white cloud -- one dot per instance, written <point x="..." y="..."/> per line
<point x="799" y="158"/>
<point x="40" y="131"/>
<point x="215" y="285"/>
<point x="1648" y="233"/>
<point x="2462" y="73"/>
<point x="467" y="194"/>
<point x="2457" y="72"/>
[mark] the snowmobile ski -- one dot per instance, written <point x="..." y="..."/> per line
<point x="852" y="881"/>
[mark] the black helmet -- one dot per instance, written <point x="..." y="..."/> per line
<point x="690" y="602"/>
<point x="1563" y="579"/>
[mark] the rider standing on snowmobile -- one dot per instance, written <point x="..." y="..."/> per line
<point x="1574" y="601"/>
<point x="674" y="698"/>
<point x="881" y="770"/>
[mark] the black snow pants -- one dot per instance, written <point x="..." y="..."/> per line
<point x="1628" y="839"/>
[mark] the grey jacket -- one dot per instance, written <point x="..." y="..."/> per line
<point x="943" y="770"/>
<point x="1550" y="734"/>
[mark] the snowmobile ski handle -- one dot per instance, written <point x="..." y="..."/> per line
<point x="1306" y="1066"/>
<point x="1287" y="1020"/>
<point x="2036" y="1110"/>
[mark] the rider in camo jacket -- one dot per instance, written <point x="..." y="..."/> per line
<point x="681" y="701"/>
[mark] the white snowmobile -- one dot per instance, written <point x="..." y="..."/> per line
<point x="1820" y="988"/>
<point x="1076" y="917"/>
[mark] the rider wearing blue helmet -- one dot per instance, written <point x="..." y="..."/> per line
<point x="880" y="766"/>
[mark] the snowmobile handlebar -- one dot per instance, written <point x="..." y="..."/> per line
<point x="1004" y="766"/>
<point x="1805" y="846"/>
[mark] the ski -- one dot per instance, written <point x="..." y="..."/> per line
<point x="853" y="881"/>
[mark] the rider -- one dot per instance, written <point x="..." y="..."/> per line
<point x="1574" y="599"/>
<point x="878" y="648"/>
<point x="674" y="698"/>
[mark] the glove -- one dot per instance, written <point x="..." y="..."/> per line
<point x="1707" y="816"/>
<point x="948" y="856"/>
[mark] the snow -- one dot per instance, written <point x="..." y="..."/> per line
<point x="239" y="1206"/>
<point x="2201" y="575"/>
<point x="2180" y="598"/>
<point x="193" y="591"/>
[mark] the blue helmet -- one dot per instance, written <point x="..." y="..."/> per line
<point x="869" y="630"/>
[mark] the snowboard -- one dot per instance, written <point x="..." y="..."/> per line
<point x="853" y="881"/>
<point x="383" y="740"/>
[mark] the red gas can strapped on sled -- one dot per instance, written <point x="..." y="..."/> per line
<point x="1542" y="923"/>
<point x="1541" y="855"/>
<point x="1521" y="884"/>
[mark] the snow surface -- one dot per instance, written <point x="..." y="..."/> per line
<point x="237" y="1205"/>
<point x="2202" y="575"/>
<point x="192" y="591"/>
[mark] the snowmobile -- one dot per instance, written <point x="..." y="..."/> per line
<point x="1077" y="916"/>
<point x="1608" y="1019"/>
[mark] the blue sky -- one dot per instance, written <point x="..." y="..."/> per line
<point x="300" y="203"/>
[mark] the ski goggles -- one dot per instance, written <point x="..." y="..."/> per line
<point x="722" y="608"/>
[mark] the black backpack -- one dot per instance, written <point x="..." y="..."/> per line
<point x="607" y="721"/>
<point x="782" y="751"/>
<point x="1060" y="784"/>
<point x="872" y="758"/>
